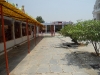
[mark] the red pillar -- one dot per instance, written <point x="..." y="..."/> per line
<point x="27" y="36"/>
<point x="39" y="32"/>
<point x="42" y="32"/>
<point x="52" y="30"/>
<point x="35" y="34"/>
<point x="4" y="40"/>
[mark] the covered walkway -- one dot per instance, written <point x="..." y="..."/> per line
<point x="21" y="29"/>
<point x="48" y="57"/>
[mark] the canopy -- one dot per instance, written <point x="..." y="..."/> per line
<point x="10" y="10"/>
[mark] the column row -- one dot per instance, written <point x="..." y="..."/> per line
<point x="15" y="33"/>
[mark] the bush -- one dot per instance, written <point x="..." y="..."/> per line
<point x="88" y="30"/>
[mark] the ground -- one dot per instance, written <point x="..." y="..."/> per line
<point x="50" y="57"/>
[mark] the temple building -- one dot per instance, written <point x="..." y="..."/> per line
<point x="96" y="11"/>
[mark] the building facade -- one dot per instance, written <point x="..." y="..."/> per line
<point x="55" y="26"/>
<point x="15" y="32"/>
<point x="17" y="29"/>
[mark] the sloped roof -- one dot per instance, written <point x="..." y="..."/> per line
<point x="11" y="11"/>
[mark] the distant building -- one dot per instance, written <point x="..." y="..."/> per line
<point x="55" y="26"/>
<point x="96" y="11"/>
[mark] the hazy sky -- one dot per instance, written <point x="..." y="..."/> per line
<point x="58" y="10"/>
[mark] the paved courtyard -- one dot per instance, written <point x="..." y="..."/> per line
<point x="48" y="57"/>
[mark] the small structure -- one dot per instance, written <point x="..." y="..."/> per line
<point x="55" y="26"/>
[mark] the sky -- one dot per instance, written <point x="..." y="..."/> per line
<point x="58" y="10"/>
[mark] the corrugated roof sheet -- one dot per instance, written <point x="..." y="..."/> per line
<point x="11" y="11"/>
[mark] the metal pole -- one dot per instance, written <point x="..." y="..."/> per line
<point x="51" y="30"/>
<point x="40" y="32"/>
<point x="4" y="40"/>
<point x="35" y="34"/>
<point x="27" y="36"/>
<point x="54" y="30"/>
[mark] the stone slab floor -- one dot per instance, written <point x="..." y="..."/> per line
<point x="46" y="58"/>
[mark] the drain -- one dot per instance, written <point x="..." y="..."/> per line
<point x="95" y="66"/>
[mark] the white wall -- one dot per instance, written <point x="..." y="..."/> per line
<point x="95" y="16"/>
<point x="96" y="10"/>
<point x="12" y="43"/>
<point x="31" y="36"/>
<point x="21" y="40"/>
<point x="8" y="45"/>
<point x="24" y="38"/>
<point x="37" y="32"/>
<point x="18" y="40"/>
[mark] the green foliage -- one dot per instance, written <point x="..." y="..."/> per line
<point x="83" y="31"/>
<point x="88" y="30"/>
<point x="39" y="19"/>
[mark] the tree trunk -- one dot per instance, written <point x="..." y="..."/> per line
<point x="75" y="41"/>
<point x="95" y="48"/>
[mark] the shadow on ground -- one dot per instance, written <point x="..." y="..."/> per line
<point x="16" y="55"/>
<point x="83" y="60"/>
<point x="68" y="45"/>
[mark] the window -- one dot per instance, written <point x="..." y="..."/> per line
<point x="8" y="30"/>
<point x="33" y="31"/>
<point x="29" y="30"/>
<point x="17" y="30"/>
<point x="23" y="29"/>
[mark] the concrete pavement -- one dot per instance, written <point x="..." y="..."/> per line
<point x="48" y="57"/>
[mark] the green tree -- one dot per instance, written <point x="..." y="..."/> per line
<point x="88" y="30"/>
<point x="39" y="19"/>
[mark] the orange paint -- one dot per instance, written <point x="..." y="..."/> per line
<point x="27" y="36"/>
<point x="4" y="40"/>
